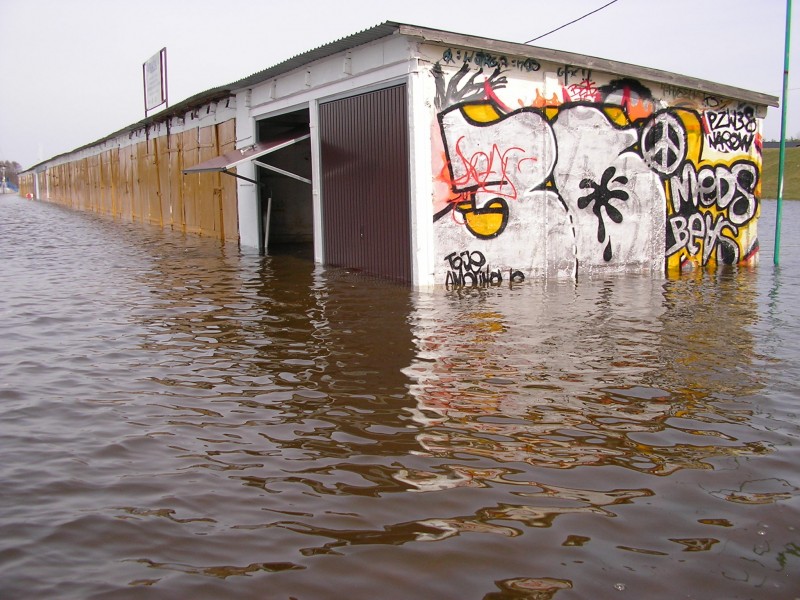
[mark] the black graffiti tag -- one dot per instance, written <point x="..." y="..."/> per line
<point x="731" y="130"/>
<point x="600" y="198"/>
<point x="467" y="270"/>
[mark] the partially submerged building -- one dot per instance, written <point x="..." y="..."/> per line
<point x="432" y="157"/>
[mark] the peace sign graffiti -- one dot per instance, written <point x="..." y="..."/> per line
<point x="664" y="143"/>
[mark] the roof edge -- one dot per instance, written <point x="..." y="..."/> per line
<point x="591" y="62"/>
<point x="365" y="36"/>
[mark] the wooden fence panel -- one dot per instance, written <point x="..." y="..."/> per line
<point x="191" y="156"/>
<point x="161" y="155"/>
<point x="209" y="191"/>
<point x="148" y="181"/>
<point x="94" y="182"/>
<point x="137" y="198"/>
<point x="176" y="181"/>
<point x="105" y="183"/>
<point x="81" y="199"/>
<point x="145" y="181"/>
<point x="125" y="184"/>
<point x="113" y="157"/>
<point x="226" y="137"/>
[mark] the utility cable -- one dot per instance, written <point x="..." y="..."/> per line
<point x="571" y="22"/>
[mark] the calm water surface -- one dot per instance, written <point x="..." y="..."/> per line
<point x="182" y="420"/>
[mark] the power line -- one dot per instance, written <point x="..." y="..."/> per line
<point x="571" y="22"/>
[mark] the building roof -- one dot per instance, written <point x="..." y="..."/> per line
<point x="588" y="62"/>
<point x="437" y="36"/>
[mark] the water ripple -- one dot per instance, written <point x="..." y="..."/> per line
<point x="183" y="419"/>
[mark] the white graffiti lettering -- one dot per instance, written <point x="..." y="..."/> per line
<point x="703" y="226"/>
<point x="729" y="189"/>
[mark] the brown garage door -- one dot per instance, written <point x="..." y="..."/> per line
<point x="365" y="190"/>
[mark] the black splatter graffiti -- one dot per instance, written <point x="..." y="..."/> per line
<point x="601" y="195"/>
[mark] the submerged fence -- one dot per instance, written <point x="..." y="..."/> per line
<point x="144" y="182"/>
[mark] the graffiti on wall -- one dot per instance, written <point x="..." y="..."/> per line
<point x="730" y="130"/>
<point x="468" y="268"/>
<point x="593" y="175"/>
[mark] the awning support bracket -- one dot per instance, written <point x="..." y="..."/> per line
<point x="281" y="171"/>
<point x="232" y="174"/>
<point x="229" y="160"/>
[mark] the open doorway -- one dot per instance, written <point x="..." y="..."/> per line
<point x="285" y="185"/>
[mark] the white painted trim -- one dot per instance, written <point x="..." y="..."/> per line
<point x="353" y="86"/>
<point x="283" y="110"/>
<point x="316" y="181"/>
<point x="246" y="192"/>
<point x="380" y="85"/>
<point x="420" y="181"/>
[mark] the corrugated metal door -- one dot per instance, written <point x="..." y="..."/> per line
<point x="365" y="190"/>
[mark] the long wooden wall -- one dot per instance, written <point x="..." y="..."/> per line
<point x="144" y="182"/>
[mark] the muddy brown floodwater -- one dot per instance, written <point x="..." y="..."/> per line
<point x="179" y="419"/>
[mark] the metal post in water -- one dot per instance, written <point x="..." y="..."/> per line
<point x="781" y="156"/>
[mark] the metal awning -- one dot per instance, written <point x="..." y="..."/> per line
<point x="229" y="160"/>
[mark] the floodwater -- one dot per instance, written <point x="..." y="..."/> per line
<point x="183" y="420"/>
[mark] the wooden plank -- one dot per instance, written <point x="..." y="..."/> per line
<point x="191" y="156"/>
<point x="125" y="183"/>
<point x="178" y="220"/>
<point x="113" y="160"/>
<point x="226" y="138"/>
<point x="164" y="188"/>
<point x="152" y="198"/>
<point x="105" y="182"/>
<point x="139" y="173"/>
<point x="208" y="185"/>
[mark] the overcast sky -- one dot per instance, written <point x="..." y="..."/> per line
<point x="72" y="69"/>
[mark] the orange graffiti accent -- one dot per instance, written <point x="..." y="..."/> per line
<point x="458" y="199"/>
<point x="639" y="110"/>
<point x="540" y="101"/>
<point x="444" y="177"/>
<point x="444" y="172"/>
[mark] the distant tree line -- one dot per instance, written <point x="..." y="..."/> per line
<point x="791" y="138"/>
<point x="11" y="170"/>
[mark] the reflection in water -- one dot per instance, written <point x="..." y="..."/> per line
<point x="184" y="420"/>
<point x="620" y="372"/>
